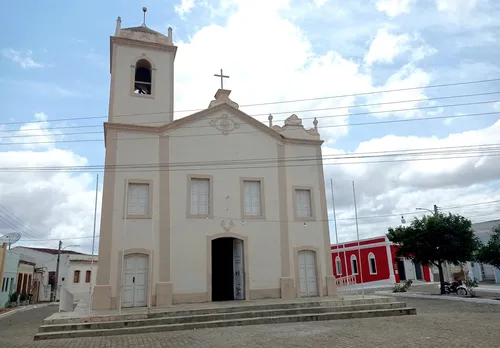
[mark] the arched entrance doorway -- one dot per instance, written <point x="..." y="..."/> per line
<point x="135" y="281"/>
<point x="228" y="269"/>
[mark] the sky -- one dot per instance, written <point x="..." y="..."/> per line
<point x="406" y="92"/>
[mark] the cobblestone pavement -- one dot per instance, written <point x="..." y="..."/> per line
<point x="438" y="324"/>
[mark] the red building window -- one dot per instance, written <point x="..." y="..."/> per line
<point x="354" y="264"/>
<point x="372" y="263"/>
<point x="76" y="277"/>
<point x="87" y="276"/>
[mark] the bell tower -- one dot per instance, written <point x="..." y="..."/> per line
<point x="142" y="75"/>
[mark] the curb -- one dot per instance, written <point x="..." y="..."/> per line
<point x="25" y="308"/>
<point x="431" y="297"/>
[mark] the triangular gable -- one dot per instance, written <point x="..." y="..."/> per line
<point x="201" y="115"/>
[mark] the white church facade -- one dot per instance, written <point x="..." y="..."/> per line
<point x="215" y="206"/>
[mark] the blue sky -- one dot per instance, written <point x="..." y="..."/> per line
<point x="55" y="65"/>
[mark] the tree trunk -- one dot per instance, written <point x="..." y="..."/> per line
<point x="441" y="277"/>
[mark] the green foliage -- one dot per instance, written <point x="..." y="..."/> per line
<point x="23" y="297"/>
<point x="436" y="239"/>
<point x="470" y="284"/>
<point x="402" y="287"/>
<point x="490" y="253"/>
<point x="14" y="297"/>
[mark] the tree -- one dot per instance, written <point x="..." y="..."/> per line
<point x="435" y="240"/>
<point x="490" y="252"/>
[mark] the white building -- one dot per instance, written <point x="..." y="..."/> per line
<point x="81" y="271"/>
<point x="212" y="206"/>
<point x="46" y="263"/>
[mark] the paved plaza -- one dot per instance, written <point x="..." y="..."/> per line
<point x="437" y="324"/>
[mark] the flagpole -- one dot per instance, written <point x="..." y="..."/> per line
<point x="150" y="290"/>
<point x="360" y="263"/>
<point x="93" y="244"/>
<point x="336" y="233"/>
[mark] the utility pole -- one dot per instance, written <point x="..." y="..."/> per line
<point x="57" y="271"/>
<point x="435" y="209"/>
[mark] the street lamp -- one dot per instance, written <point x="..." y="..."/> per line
<point x="403" y="220"/>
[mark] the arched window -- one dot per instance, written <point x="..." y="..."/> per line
<point x="354" y="264"/>
<point x="372" y="263"/>
<point x="143" y="77"/>
<point x="76" y="277"/>
<point x="338" y="265"/>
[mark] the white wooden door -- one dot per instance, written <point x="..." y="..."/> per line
<point x="307" y="274"/>
<point x="135" y="283"/>
<point x="238" y="270"/>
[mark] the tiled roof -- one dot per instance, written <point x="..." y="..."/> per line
<point x="55" y="251"/>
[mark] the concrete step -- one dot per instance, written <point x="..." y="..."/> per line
<point x="237" y="307"/>
<point x="225" y="323"/>
<point x="209" y="317"/>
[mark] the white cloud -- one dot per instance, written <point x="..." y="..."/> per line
<point x="56" y="204"/>
<point x="184" y="7"/>
<point x="399" y="187"/>
<point x="394" y="8"/>
<point x="23" y="59"/>
<point x="456" y="6"/>
<point x="386" y="46"/>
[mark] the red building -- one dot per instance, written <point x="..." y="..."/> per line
<point x="375" y="261"/>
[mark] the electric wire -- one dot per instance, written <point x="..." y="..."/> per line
<point x="277" y="102"/>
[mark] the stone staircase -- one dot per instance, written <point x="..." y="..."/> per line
<point x="233" y="314"/>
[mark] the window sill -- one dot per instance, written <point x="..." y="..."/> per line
<point x="253" y="217"/>
<point x="305" y="218"/>
<point x="138" y="217"/>
<point x="148" y="96"/>
<point x="199" y="217"/>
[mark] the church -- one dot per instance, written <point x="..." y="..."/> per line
<point x="214" y="206"/>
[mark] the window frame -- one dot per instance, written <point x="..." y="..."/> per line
<point x="354" y="258"/>
<point x="88" y="276"/>
<point x="133" y="67"/>
<point x="338" y="262"/>
<point x="75" y="273"/>
<point x="312" y="216"/>
<point x="127" y="184"/>
<point x="190" y="178"/>
<point x="371" y="256"/>
<point x="262" y="207"/>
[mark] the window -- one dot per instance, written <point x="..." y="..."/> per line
<point x="338" y="265"/>
<point x="76" y="277"/>
<point x="4" y="286"/>
<point x="303" y="203"/>
<point x="373" y="263"/>
<point x="200" y="197"/>
<point x="143" y="77"/>
<point x="138" y="199"/>
<point x="354" y="264"/>
<point x="252" y="198"/>
<point x="87" y="276"/>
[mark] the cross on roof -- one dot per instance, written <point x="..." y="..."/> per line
<point x="222" y="77"/>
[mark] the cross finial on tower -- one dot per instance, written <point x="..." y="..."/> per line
<point x="222" y="77"/>
<point x="144" y="9"/>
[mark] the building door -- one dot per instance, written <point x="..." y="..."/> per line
<point x="307" y="274"/>
<point x="228" y="269"/>
<point x="135" y="283"/>
<point x="401" y="269"/>
<point x="418" y="271"/>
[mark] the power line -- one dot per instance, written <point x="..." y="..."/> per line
<point x="239" y="133"/>
<point x="303" y="118"/>
<point x="281" y="112"/>
<point x="481" y="150"/>
<point x="275" y="102"/>
<point x="279" y="221"/>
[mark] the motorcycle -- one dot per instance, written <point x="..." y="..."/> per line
<point x="455" y="287"/>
